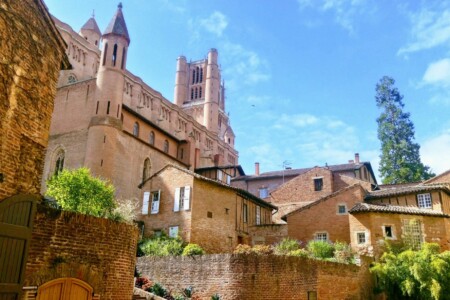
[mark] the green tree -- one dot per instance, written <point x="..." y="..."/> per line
<point x="79" y="191"/>
<point x="400" y="159"/>
<point x="422" y="274"/>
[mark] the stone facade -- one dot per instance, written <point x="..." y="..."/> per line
<point x="32" y="53"/>
<point x="109" y="120"/>
<point x="204" y="211"/>
<point x="259" y="277"/>
<point x="98" y="251"/>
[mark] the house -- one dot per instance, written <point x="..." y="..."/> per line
<point x="201" y="210"/>
<point x="410" y="214"/>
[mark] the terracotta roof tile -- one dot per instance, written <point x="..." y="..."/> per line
<point x="394" y="209"/>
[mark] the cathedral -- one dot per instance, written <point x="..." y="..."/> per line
<point x="109" y="120"/>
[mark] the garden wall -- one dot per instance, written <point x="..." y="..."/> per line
<point x="259" y="277"/>
<point x="98" y="251"/>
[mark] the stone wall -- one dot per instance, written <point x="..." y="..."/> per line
<point x="259" y="277"/>
<point x="98" y="251"/>
<point x="31" y="55"/>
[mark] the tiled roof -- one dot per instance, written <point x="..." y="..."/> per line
<point x="403" y="190"/>
<point x="240" y="192"/>
<point x="91" y="24"/>
<point x="438" y="176"/>
<point x="117" y="25"/>
<point x="394" y="209"/>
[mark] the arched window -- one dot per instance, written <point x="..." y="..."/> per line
<point x="59" y="161"/>
<point x="151" y="138"/>
<point x="105" y="53"/>
<point x="193" y="76"/>
<point x="200" y="92"/>
<point x="146" y="170"/>
<point x="166" y="146"/>
<point x="114" y="55"/>
<point x="201" y="74"/>
<point x="197" y="75"/>
<point x="124" y="52"/>
<point x="136" y="129"/>
<point x="192" y="94"/>
<point x="196" y="93"/>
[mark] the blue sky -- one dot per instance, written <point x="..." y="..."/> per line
<point x="300" y="74"/>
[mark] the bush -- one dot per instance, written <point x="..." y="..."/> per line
<point x="320" y="249"/>
<point x="187" y="292"/>
<point x="193" y="249"/>
<point x="158" y="290"/>
<point x="215" y="297"/>
<point x="262" y="249"/>
<point x="343" y="253"/>
<point x="161" y="246"/>
<point x="242" y="249"/>
<point x="299" y="253"/>
<point x="286" y="245"/>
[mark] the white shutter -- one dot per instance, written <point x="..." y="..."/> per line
<point x="228" y="179"/>
<point x="187" y="197"/>
<point x="145" y="203"/>
<point x="176" y="204"/>
<point x="155" y="202"/>
<point x="219" y="174"/>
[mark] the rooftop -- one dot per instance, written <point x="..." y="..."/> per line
<point x="393" y="209"/>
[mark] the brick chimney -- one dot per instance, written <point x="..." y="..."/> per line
<point x="257" y="168"/>
<point x="356" y="158"/>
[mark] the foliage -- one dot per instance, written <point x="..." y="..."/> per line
<point x="215" y="297"/>
<point x="161" y="246"/>
<point x="158" y="290"/>
<point x="193" y="249"/>
<point x="125" y="210"/>
<point x="343" y="253"/>
<point x="299" y="253"/>
<point x="286" y="245"/>
<point x="422" y="274"/>
<point x="242" y="249"/>
<point x="79" y="191"/>
<point x="400" y="159"/>
<point x="262" y="249"/>
<point x="320" y="249"/>
<point x="187" y="292"/>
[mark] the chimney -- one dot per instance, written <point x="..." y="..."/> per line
<point x="356" y="158"/>
<point x="257" y="168"/>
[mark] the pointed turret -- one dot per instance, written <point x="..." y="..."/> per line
<point x="91" y="32"/>
<point x="117" y="25"/>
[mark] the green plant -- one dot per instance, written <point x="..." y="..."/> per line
<point x="158" y="290"/>
<point x="242" y="249"/>
<point x="215" y="297"/>
<point x="286" y="245"/>
<point x="79" y="191"/>
<point x="187" y="292"/>
<point x="343" y="253"/>
<point x="161" y="246"/>
<point x="193" y="249"/>
<point x="299" y="253"/>
<point x="320" y="249"/>
<point x="178" y="297"/>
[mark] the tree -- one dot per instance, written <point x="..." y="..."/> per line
<point x="79" y="191"/>
<point x="422" y="274"/>
<point x="400" y="159"/>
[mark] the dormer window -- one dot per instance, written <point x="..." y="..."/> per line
<point x="318" y="184"/>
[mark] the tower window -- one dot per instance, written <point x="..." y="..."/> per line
<point x="124" y="52"/>
<point x="107" y="108"/>
<point x="136" y="129"/>
<point x="196" y="93"/>
<point x="114" y="55"/>
<point x="166" y="146"/>
<point x="105" y="53"/>
<point x="151" y="138"/>
<point x="200" y="92"/>
<point x="193" y="76"/>
<point x="192" y="94"/>
<point x="197" y="75"/>
<point x="201" y="74"/>
<point x="59" y="163"/>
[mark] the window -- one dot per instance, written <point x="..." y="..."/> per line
<point x="151" y="138"/>
<point x="318" y="184"/>
<point x="193" y="76"/>
<point x="182" y="198"/>
<point x="258" y="215"/>
<point x="412" y="233"/>
<point x="201" y="76"/>
<point x="388" y="232"/>
<point x="219" y="175"/>
<point x="424" y="200"/>
<point x="209" y="214"/>
<point x="156" y="196"/>
<point x="59" y="161"/>
<point x="114" y="55"/>
<point x="136" y="129"/>
<point x="166" y="146"/>
<point x="157" y="232"/>
<point x="145" y="203"/>
<point x="321" y="236"/>
<point x="197" y="75"/>
<point x="342" y="209"/>
<point x="105" y="52"/>
<point x="200" y="92"/>
<point x="123" y="58"/>
<point x="173" y="231"/>
<point x="312" y="295"/>
<point x="361" y="238"/>
<point x="245" y="213"/>
<point x="263" y="193"/>
<point x="228" y="179"/>
<point x="146" y="169"/>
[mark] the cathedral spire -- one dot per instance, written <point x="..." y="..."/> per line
<point x="117" y="25"/>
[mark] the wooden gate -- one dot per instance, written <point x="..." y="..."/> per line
<point x="16" y="224"/>
<point x="65" y="289"/>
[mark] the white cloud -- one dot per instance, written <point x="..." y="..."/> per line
<point x="297" y="120"/>
<point x="429" y="29"/>
<point x="216" y="23"/>
<point x="344" y="11"/>
<point x="438" y="73"/>
<point x="435" y="152"/>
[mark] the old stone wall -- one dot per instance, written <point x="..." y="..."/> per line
<point x="268" y="234"/>
<point x="259" y="277"/>
<point x="31" y="55"/>
<point x="98" y="251"/>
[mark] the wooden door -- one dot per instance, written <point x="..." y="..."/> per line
<point x="16" y="225"/>
<point x="65" y="289"/>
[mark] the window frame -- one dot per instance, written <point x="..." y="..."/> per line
<point x="392" y="237"/>
<point x="318" y="184"/>
<point x="318" y="236"/>
<point x="136" y="129"/>
<point x="245" y="213"/>
<point x="263" y="191"/>
<point x="423" y="203"/>
<point x="154" y="211"/>
<point x="338" y="212"/>
<point x="171" y="228"/>
<point x="358" y="238"/>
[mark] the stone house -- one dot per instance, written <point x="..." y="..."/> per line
<point x="201" y="210"/>
<point x="108" y="119"/>
<point x="412" y="214"/>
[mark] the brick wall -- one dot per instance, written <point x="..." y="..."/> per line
<point x="98" y="251"/>
<point x="268" y="234"/>
<point x="31" y="54"/>
<point x="259" y="277"/>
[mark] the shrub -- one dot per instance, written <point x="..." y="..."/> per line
<point x="286" y="245"/>
<point x="262" y="249"/>
<point x="299" y="253"/>
<point x="242" y="249"/>
<point x="215" y="297"/>
<point x="193" y="249"/>
<point x="187" y="292"/>
<point x="162" y="246"/>
<point x="343" y="253"/>
<point x="178" y="297"/>
<point x="320" y="249"/>
<point x="158" y="290"/>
